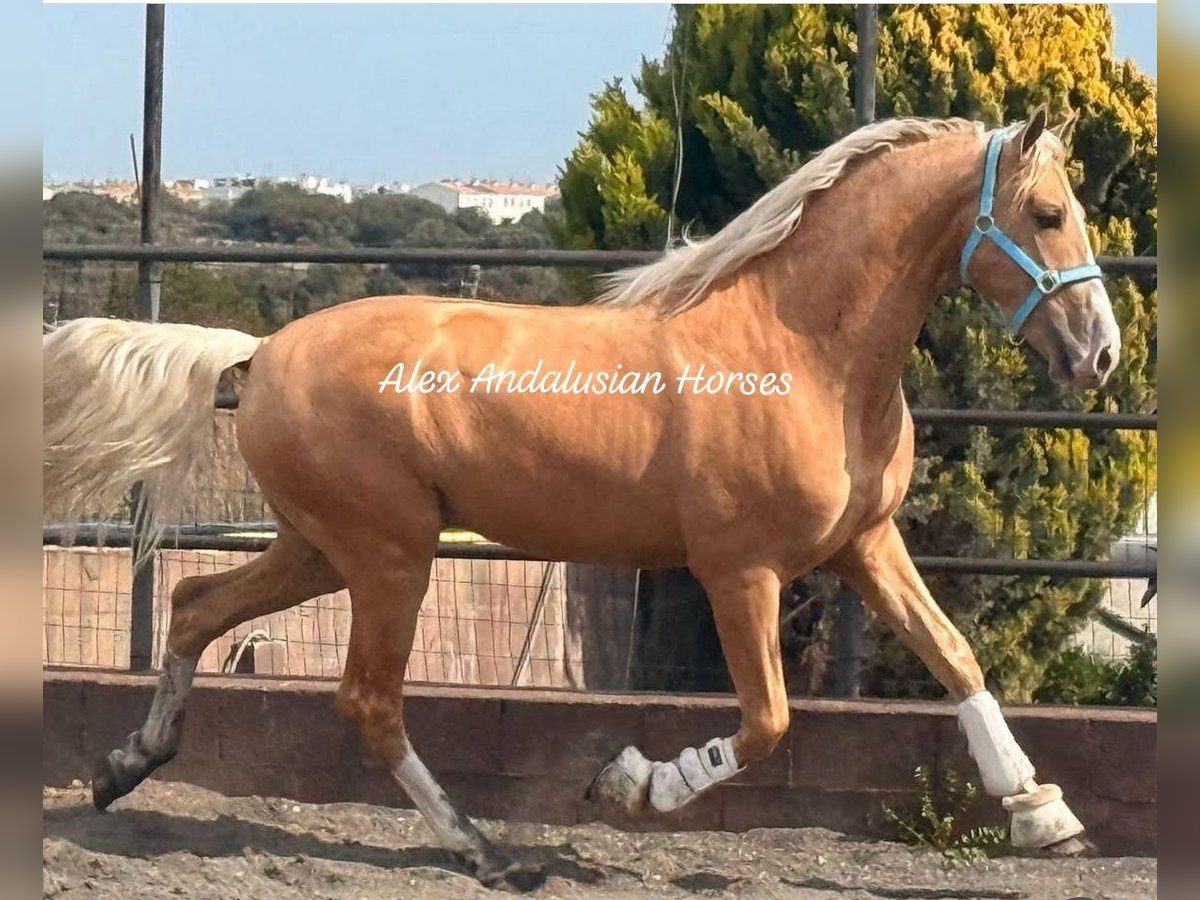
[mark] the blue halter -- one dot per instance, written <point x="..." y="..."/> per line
<point x="1045" y="281"/>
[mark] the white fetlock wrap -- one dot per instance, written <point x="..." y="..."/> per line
<point x="676" y="783"/>
<point x="1004" y="768"/>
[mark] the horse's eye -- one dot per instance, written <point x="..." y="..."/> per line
<point x="1049" y="217"/>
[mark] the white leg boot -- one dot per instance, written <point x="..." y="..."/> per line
<point x="1038" y="815"/>
<point x="630" y="782"/>
<point x="676" y="783"/>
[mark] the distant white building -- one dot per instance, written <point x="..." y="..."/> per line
<point x="315" y="184"/>
<point x="231" y="187"/>
<point x="500" y="201"/>
<point x="226" y="187"/>
<point x="386" y="187"/>
<point x="188" y="190"/>
<point x="113" y="188"/>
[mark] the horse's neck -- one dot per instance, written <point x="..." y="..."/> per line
<point x="852" y="287"/>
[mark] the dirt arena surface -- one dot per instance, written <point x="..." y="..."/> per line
<point x="169" y="840"/>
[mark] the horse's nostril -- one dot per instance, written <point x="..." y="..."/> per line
<point x="1103" y="361"/>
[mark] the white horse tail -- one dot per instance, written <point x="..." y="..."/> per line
<point x="124" y="402"/>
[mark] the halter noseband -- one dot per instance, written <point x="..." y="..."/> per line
<point x="1045" y="281"/>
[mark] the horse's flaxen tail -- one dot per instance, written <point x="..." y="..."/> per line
<point x="124" y="402"/>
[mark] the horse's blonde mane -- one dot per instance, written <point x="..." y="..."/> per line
<point x="683" y="277"/>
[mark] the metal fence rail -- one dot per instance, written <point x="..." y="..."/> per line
<point x="257" y="536"/>
<point x="990" y="418"/>
<point x="1133" y="266"/>
<point x="1005" y="418"/>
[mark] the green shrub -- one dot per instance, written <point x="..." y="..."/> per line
<point x="1077" y="676"/>
<point x="935" y="821"/>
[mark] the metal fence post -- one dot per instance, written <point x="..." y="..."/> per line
<point x="847" y="653"/>
<point x="848" y="623"/>
<point x="141" y="611"/>
<point x="864" y="63"/>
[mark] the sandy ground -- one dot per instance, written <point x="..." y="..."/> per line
<point x="176" y="840"/>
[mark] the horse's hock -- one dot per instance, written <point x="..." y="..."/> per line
<point x="530" y="754"/>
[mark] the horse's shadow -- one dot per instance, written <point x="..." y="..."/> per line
<point x="141" y="834"/>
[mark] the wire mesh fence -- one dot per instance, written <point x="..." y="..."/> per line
<point x="85" y="607"/>
<point x="481" y="622"/>
<point x="1133" y="601"/>
<point x="487" y="622"/>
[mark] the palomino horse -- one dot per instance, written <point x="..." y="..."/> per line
<point x="735" y="407"/>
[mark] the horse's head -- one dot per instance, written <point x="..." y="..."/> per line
<point x="1028" y="252"/>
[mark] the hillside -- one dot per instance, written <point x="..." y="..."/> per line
<point x="262" y="298"/>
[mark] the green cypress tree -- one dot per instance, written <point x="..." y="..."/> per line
<point x="755" y="91"/>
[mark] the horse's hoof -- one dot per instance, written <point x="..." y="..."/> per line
<point x="516" y="878"/>
<point x="1078" y="847"/>
<point x="1040" y="820"/>
<point x="498" y="871"/>
<point x="623" y="784"/>
<point x="105" y="787"/>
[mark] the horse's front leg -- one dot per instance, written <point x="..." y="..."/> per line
<point x="746" y="609"/>
<point x="878" y="567"/>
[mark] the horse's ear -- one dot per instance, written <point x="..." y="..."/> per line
<point x="1066" y="130"/>
<point x="1032" y="131"/>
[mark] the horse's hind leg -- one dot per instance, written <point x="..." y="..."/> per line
<point x="878" y="567"/>
<point x="203" y="608"/>
<point x="385" y="596"/>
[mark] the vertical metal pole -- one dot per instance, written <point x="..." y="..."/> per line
<point x="848" y="626"/>
<point x="141" y="612"/>
<point x="864" y="64"/>
<point x="847" y="645"/>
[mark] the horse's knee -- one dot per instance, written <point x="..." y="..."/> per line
<point x="378" y="716"/>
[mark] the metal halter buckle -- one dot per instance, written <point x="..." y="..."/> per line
<point x="1048" y="281"/>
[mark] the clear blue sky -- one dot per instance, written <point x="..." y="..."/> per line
<point x="364" y="93"/>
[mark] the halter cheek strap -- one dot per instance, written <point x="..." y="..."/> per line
<point x="1045" y="281"/>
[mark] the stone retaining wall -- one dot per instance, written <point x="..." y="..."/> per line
<point x="530" y="754"/>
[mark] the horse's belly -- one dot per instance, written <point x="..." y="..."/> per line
<point x="602" y="536"/>
<point x="564" y="511"/>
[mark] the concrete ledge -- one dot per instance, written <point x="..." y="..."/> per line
<point x="530" y="754"/>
